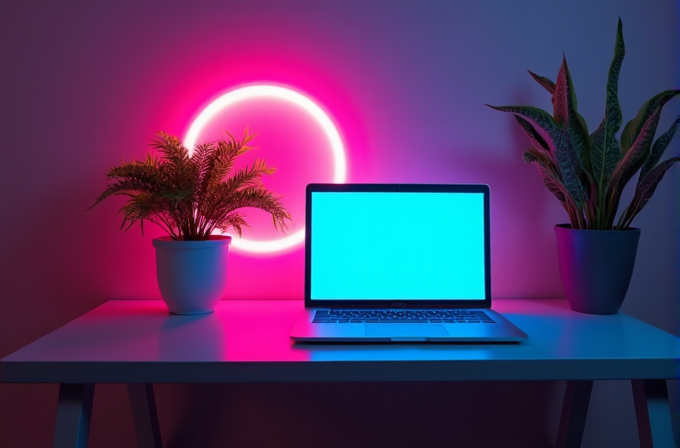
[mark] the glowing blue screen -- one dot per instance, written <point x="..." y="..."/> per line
<point x="397" y="246"/>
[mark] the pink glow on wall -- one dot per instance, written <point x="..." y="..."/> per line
<point x="289" y="120"/>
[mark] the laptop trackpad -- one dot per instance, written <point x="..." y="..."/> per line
<point x="405" y="330"/>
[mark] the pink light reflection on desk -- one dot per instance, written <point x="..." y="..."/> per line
<point x="256" y="334"/>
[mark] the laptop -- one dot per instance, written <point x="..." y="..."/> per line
<point x="399" y="263"/>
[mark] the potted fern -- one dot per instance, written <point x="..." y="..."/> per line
<point x="190" y="197"/>
<point x="587" y="174"/>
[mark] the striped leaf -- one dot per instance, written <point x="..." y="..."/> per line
<point x="550" y="87"/>
<point x="552" y="182"/>
<point x="560" y="145"/>
<point x="570" y="168"/>
<point x="645" y="189"/>
<point x="561" y="96"/>
<point x="545" y="82"/>
<point x="658" y="149"/>
<point x="605" y="152"/>
<point x="538" y="116"/>
<point x="632" y="129"/>
<point x="537" y="141"/>
<point x="633" y="160"/>
<point x="544" y="158"/>
<point x="565" y="104"/>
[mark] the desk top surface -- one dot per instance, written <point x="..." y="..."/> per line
<point x="248" y="341"/>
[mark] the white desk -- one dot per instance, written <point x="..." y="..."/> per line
<point x="139" y="343"/>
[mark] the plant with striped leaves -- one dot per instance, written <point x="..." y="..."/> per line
<point x="588" y="172"/>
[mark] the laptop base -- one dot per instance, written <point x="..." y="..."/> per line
<point x="502" y="330"/>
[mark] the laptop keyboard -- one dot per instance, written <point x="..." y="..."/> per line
<point x="400" y="316"/>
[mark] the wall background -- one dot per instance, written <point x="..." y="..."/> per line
<point x="85" y="84"/>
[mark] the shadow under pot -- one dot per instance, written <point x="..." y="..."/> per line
<point x="596" y="267"/>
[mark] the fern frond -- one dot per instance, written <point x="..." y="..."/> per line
<point x="234" y="221"/>
<point x="226" y="153"/>
<point x="175" y="165"/>
<point x="189" y="197"/>
<point x="130" y="178"/>
<point x="138" y="208"/>
<point x="250" y="176"/>
<point x="202" y="158"/>
<point x="172" y="149"/>
<point x="256" y="197"/>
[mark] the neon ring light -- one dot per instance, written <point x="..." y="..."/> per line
<point x="299" y="100"/>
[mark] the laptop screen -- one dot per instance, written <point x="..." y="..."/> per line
<point x="407" y="244"/>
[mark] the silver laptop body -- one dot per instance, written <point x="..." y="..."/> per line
<point x="399" y="263"/>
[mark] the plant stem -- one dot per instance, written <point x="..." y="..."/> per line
<point x="579" y="216"/>
<point x="601" y="209"/>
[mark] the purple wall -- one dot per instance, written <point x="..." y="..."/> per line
<point x="85" y="84"/>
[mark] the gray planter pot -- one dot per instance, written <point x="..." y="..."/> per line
<point x="596" y="267"/>
<point x="192" y="275"/>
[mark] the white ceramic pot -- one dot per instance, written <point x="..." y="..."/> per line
<point x="192" y="275"/>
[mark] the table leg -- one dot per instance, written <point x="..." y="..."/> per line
<point x="653" y="413"/>
<point x="144" y="414"/>
<point x="74" y="411"/>
<point x="574" y="413"/>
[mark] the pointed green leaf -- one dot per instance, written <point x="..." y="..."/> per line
<point x="632" y="129"/>
<point x="552" y="182"/>
<point x="548" y="174"/>
<point x="658" y="149"/>
<point x="646" y="187"/>
<point x="570" y="168"/>
<point x="530" y="156"/>
<point x="537" y="141"/>
<point x="543" y="157"/>
<point x="605" y="152"/>
<point x="560" y="145"/>
<point x="565" y="104"/>
<point x="544" y="82"/>
<point x="542" y="119"/>
<point x="550" y="87"/>
<point x="561" y="96"/>
<point x="636" y="156"/>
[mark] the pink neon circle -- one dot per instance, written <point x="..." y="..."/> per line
<point x="296" y="98"/>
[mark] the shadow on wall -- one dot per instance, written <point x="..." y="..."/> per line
<point x="523" y="212"/>
<point x="38" y="281"/>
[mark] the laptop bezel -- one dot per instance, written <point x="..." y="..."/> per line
<point x="379" y="188"/>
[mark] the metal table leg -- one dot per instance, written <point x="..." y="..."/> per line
<point x="653" y="413"/>
<point x="574" y="413"/>
<point x="144" y="414"/>
<point x="74" y="411"/>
